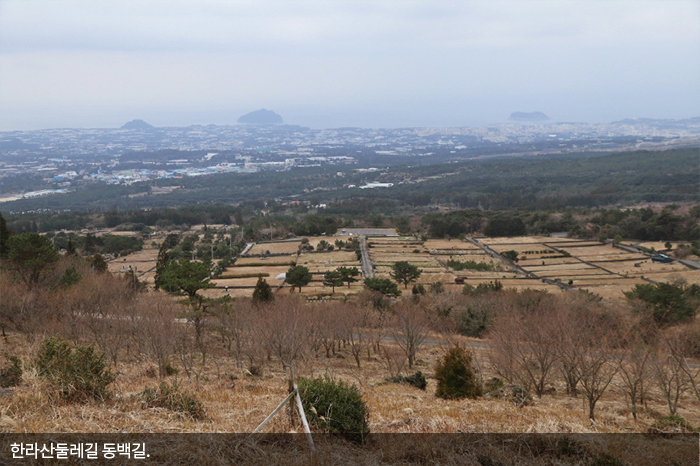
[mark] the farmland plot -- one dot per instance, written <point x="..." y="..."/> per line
<point x="282" y="247"/>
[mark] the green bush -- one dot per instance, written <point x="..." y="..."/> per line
<point x="335" y="407"/>
<point x="170" y="397"/>
<point x="674" y="423"/>
<point x="494" y="384"/>
<point x="455" y="376"/>
<point x="244" y="275"/>
<point x="417" y="380"/>
<point x="77" y="372"/>
<point x="473" y="321"/>
<point x="515" y="394"/>
<point x="437" y="288"/>
<point x="482" y="288"/>
<point x="470" y="265"/>
<point x="667" y="303"/>
<point x="11" y="375"/>
<point x="510" y="255"/>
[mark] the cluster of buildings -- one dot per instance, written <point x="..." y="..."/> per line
<point x="65" y="158"/>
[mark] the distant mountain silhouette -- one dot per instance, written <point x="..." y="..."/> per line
<point x="261" y="117"/>
<point x="137" y="124"/>
<point x="528" y="116"/>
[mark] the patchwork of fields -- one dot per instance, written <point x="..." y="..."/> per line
<point x="601" y="269"/>
<point x="544" y="263"/>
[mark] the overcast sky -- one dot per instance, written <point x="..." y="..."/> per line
<point x="100" y="63"/>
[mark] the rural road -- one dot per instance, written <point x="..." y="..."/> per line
<point x="366" y="263"/>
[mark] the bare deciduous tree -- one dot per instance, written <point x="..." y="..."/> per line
<point x="633" y="365"/>
<point x="525" y="345"/>
<point x="284" y="326"/>
<point x="571" y="308"/>
<point x="668" y="367"/>
<point x="634" y="361"/>
<point x="353" y="323"/>
<point x="232" y="323"/>
<point x="596" y="366"/>
<point x="155" y="328"/>
<point x="411" y="325"/>
<point x="686" y="348"/>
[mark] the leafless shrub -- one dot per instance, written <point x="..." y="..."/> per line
<point x="393" y="359"/>
<point x="233" y="326"/>
<point x="100" y="307"/>
<point x="324" y="329"/>
<point x="154" y="329"/>
<point x="670" y="369"/>
<point x="683" y="251"/>
<point x="524" y="342"/>
<point x="353" y="323"/>
<point x="23" y="309"/>
<point x="284" y="327"/>
<point x="186" y="348"/>
<point x="687" y="347"/>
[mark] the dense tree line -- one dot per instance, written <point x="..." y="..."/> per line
<point x="633" y="224"/>
<point x="503" y="183"/>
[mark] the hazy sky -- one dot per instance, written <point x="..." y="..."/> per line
<point x="100" y="63"/>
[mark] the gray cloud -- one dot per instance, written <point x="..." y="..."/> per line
<point x="387" y="63"/>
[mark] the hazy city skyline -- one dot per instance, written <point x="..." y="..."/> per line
<point x="330" y="64"/>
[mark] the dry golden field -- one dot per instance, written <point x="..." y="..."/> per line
<point x="526" y="262"/>
<point x="255" y="260"/>
<point x="441" y="244"/>
<point x="240" y="407"/>
<point x="282" y="247"/>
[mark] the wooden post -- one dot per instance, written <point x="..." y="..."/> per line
<point x="303" y="419"/>
<point x="272" y="414"/>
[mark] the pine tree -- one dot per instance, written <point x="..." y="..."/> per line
<point x="263" y="292"/>
<point x="348" y="274"/>
<point x="298" y="276"/>
<point x="89" y="247"/>
<point x="70" y="248"/>
<point x="5" y="234"/>
<point x="98" y="263"/>
<point x="405" y="272"/>
<point x="161" y="264"/>
<point x="333" y="279"/>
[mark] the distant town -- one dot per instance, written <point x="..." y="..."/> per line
<point x="54" y="161"/>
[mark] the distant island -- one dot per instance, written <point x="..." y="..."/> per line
<point x="528" y="116"/>
<point x="137" y="124"/>
<point x="261" y="117"/>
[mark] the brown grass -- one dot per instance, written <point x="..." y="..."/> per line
<point x="275" y="248"/>
<point x="444" y="244"/>
<point x="393" y="408"/>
